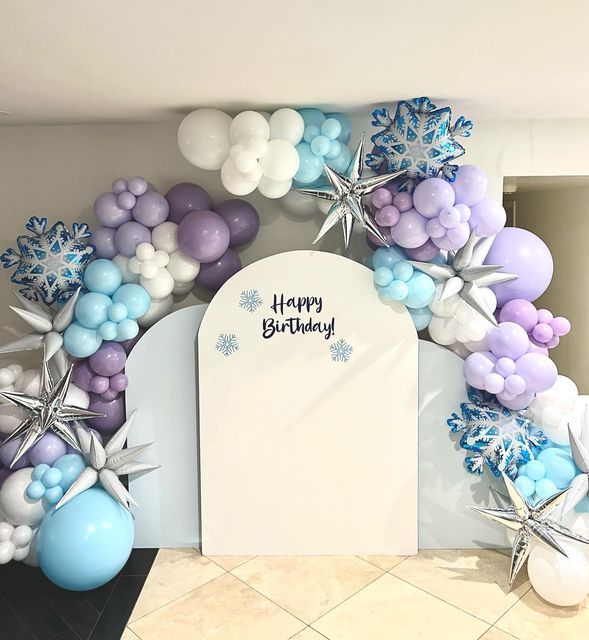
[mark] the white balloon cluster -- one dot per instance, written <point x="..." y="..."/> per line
<point x="553" y="410"/>
<point x="252" y="151"/>
<point x="161" y="269"/>
<point x="15" y="541"/>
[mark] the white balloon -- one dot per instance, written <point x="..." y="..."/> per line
<point x="555" y="408"/>
<point x="246" y="125"/>
<point x="29" y="382"/>
<point x="182" y="268"/>
<point x="160" y="285"/>
<point x="144" y="251"/>
<point x="560" y="580"/>
<point x="281" y="160"/>
<point x="7" y="378"/>
<point x="165" y="237"/>
<point x="6" y="530"/>
<point x="77" y="397"/>
<point x="11" y="417"/>
<point x="287" y="124"/>
<point x="234" y="181"/>
<point x="7" y="550"/>
<point x="579" y="523"/>
<point x="157" y="310"/>
<point x="203" y="138"/>
<point x="182" y="288"/>
<point x="299" y="206"/>
<point x="148" y="270"/>
<point x="442" y="330"/>
<point x="274" y="188"/>
<point x="14" y="503"/>
<point x="325" y="205"/>
<point x="122" y="263"/>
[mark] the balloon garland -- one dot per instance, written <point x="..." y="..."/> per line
<point x="440" y="248"/>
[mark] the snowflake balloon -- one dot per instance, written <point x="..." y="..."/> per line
<point x="50" y="263"/>
<point x="494" y="435"/>
<point x="419" y="139"/>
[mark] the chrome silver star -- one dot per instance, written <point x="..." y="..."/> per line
<point x="531" y="523"/>
<point x="46" y="324"/>
<point x="465" y="273"/>
<point x="579" y="487"/>
<point x="346" y="192"/>
<point x="106" y="464"/>
<point x="46" y="411"/>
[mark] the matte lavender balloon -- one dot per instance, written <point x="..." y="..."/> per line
<point x="403" y="201"/>
<point x="119" y="382"/>
<point x="151" y="209"/>
<point x="516" y="403"/>
<point x="82" y="375"/>
<point x="509" y="340"/>
<point x="524" y="254"/>
<point x="7" y="453"/>
<point x="47" y="450"/>
<point x="214" y="275"/>
<point x="104" y="241"/>
<point x="241" y="218"/>
<point x="377" y="242"/>
<point x="431" y="195"/>
<point x="203" y="235"/>
<point x="108" y="212"/>
<point x="113" y="410"/>
<point x="561" y="326"/>
<point x="108" y="360"/>
<point x="425" y="253"/>
<point x="99" y="384"/>
<point x="539" y="372"/>
<point x="476" y="367"/>
<point x="184" y="197"/>
<point x="470" y="184"/>
<point x="487" y="217"/>
<point x="129" y="235"/>
<point x="536" y="348"/>
<point x="521" y="312"/>
<point x="410" y="231"/>
<point x="110" y="394"/>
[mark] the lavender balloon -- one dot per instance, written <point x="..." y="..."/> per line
<point x="108" y="212"/>
<point x="129" y="235"/>
<point x="470" y="184"/>
<point x="8" y="451"/>
<point x="113" y="410"/>
<point x="214" y="275"/>
<point x="151" y="209"/>
<point x="431" y="195"/>
<point x="424" y="253"/>
<point x="509" y="340"/>
<point x="82" y="375"/>
<point x="104" y="241"/>
<point x="521" y="312"/>
<point x="487" y="218"/>
<point x="185" y="197"/>
<point x="47" y="450"/>
<point x="242" y="219"/>
<point x="538" y="371"/>
<point x="203" y="235"/>
<point x="410" y="231"/>
<point x="108" y="360"/>
<point x="477" y="367"/>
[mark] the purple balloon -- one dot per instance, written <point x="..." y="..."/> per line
<point x="108" y="212"/>
<point x="110" y="394"/>
<point x="119" y="382"/>
<point x="431" y="195"/>
<point x="99" y="384"/>
<point x="538" y="371"/>
<point x="82" y="375"/>
<point x="185" y="197"/>
<point x="425" y="253"/>
<point x="113" y="410"/>
<point x="487" y="218"/>
<point x="242" y="219"/>
<point x="108" y="360"/>
<point x="377" y="242"/>
<point x="151" y="209"/>
<point x="536" y="348"/>
<point x="524" y="254"/>
<point x="516" y="403"/>
<point x="509" y="340"/>
<point x="214" y="275"/>
<point x="47" y="450"/>
<point x="410" y="231"/>
<point x="8" y="451"/>
<point x="104" y="241"/>
<point x="203" y="235"/>
<point x="477" y="366"/>
<point x="470" y="184"/>
<point x="129" y="235"/>
<point x="521" y="312"/>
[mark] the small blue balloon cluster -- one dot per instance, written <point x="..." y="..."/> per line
<point x="397" y="280"/>
<point x="324" y="142"/>
<point x="50" y="483"/>
<point x="552" y="471"/>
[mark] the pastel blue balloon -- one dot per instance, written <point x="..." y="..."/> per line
<point x="39" y="470"/>
<point x="127" y="330"/>
<point x="387" y="257"/>
<point x="561" y="470"/>
<point x="102" y="276"/>
<point x="331" y="128"/>
<point x="91" y="309"/>
<point x="312" y="117"/>
<point x="35" y="490"/>
<point x="51" y="477"/>
<point x="525" y="486"/>
<point x="320" y="145"/>
<point x="547" y="453"/>
<point x="81" y="342"/>
<point x="521" y="470"/>
<point x="383" y="276"/>
<point x="53" y="495"/>
<point x="535" y="470"/>
<point x="117" y="312"/>
<point x="346" y="126"/>
<point x="108" y="330"/>
<point x="422" y="290"/>
<point x="310" y="165"/>
<point x="545" y="488"/>
<point x="335" y="148"/>
<point x="135" y="298"/>
<point x="71" y="466"/>
<point x="86" y="542"/>
<point x="398" y="290"/>
<point x="403" y="271"/>
<point x="421" y="317"/>
<point x="342" y="161"/>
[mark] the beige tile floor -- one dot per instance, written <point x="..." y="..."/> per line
<point x="457" y="595"/>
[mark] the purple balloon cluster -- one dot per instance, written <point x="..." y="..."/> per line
<point x="102" y="373"/>
<point x="438" y="215"/>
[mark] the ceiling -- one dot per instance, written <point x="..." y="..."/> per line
<point x="67" y="61"/>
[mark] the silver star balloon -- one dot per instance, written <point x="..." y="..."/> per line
<point x="579" y="487"/>
<point x="47" y="326"/>
<point x="48" y="411"/>
<point x="106" y="464"/>
<point x="465" y="273"/>
<point x="346" y="192"/>
<point x="531" y="524"/>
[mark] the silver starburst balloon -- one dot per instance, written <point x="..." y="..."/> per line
<point x="530" y="523"/>
<point x="48" y="411"/>
<point x="106" y="464"/>
<point x="579" y="487"/>
<point x="47" y="326"/>
<point x="346" y="192"/>
<point x="465" y="273"/>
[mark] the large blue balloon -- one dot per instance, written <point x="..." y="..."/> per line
<point x="85" y="543"/>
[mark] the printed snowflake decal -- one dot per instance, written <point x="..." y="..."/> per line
<point x="227" y="344"/>
<point x="250" y="300"/>
<point x="49" y="264"/>
<point x="419" y="139"/>
<point x="495" y="435"/>
<point x="340" y="351"/>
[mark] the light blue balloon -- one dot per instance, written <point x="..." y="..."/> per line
<point x="312" y="117"/>
<point x="320" y="146"/>
<point x="117" y="312"/>
<point x="103" y="276"/>
<point x="525" y="486"/>
<point x="108" y="330"/>
<point x="331" y="128"/>
<point x="39" y="470"/>
<point x="91" y="309"/>
<point x="560" y="469"/>
<point x="535" y="470"/>
<point x="383" y="276"/>
<point x="81" y="342"/>
<point x="53" y="495"/>
<point x="398" y="290"/>
<point x="403" y="271"/>
<point x="421" y="317"/>
<point x="545" y="488"/>
<point x="342" y="161"/>
<point x="310" y="165"/>
<point x="135" y="298"/>
<point x="86" y="542"/>
<point x="71" y="466"/>
<point x="51" y="477"/>
<point x="35" y="490"/>
<point x="346" y="126"/>
<point x="335" y="148"/>
<point x="127" y="330"/>
<point x="387" y="257"/>
<point x="422" y="290"/>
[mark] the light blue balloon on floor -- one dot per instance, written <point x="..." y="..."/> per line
<point x="85" y="543"/>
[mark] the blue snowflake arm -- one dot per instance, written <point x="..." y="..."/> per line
<point x="381" y="118"/>
<point x="36" y="225"/>
<point x="9" y="258"/>
<point x="462" y="127"/>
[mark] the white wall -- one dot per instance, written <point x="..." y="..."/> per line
<point x="58" y="171"/>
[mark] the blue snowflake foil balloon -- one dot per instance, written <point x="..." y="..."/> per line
<point x="50" y="263"/>
<point x="495" y="435"/>
<point x="419" y="139"/>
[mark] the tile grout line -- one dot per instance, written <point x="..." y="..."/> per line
<point x="381" y="568"/>
<point x="508" y="610"/>
<point x="233" y="568"/>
